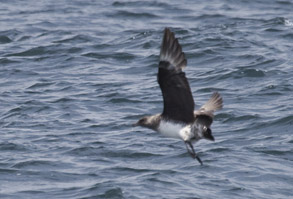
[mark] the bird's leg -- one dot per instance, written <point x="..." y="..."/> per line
<point x="191" y="151"/>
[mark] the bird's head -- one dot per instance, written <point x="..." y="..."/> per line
<point x="148" y="122"/>
<point x="142" y="122"/>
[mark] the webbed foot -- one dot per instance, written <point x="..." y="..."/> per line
<point x="191" y="151"/>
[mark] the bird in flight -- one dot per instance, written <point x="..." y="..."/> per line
<point x="179" y="120"/>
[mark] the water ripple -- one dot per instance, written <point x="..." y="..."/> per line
<point x="74" y="77"/>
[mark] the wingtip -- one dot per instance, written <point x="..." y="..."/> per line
<point x="171" y="51"/>
<point x="217" y="100"/>
<point x="214" y="103"/>
<point x="167" y="30"/>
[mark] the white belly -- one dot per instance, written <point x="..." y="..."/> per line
<point x="174" y="130"/>
<point x="169" y="129"/>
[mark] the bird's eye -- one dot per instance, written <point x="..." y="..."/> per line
<point x="204" y="128"/>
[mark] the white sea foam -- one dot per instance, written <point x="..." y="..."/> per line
<point x="288" y="23"/>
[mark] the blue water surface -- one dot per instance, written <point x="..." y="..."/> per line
<point x="74" y="76"/>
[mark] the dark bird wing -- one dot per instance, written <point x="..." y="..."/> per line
<point x="178" y="100"/>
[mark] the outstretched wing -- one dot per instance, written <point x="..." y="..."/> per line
<point x="178" y="100"/>
<point x="205" y="114"/>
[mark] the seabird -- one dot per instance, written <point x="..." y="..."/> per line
<point x="179" y="120"/>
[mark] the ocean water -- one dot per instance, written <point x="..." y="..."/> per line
<point x="74" y="76"/>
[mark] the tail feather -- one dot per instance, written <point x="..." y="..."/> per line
<point x="171" y="51"/>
